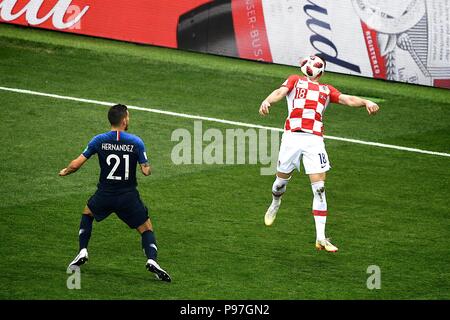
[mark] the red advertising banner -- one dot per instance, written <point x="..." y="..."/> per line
<point x="141" y="21"/>
<point x="407" y="41"/>
<point x="250" y="30"/>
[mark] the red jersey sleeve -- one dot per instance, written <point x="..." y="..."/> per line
<point x="334" y="94"/>
<point x="290" y="82"/>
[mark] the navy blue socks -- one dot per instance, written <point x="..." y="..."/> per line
<point x="85" y="230"/>
<point x="149" y="245"/>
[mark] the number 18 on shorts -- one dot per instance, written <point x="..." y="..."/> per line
<point x="297" y="146"/>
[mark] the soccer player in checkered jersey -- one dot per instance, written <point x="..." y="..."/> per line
<point x="302" y="139"/>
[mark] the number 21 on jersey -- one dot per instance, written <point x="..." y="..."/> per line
<point x="115" y="164"/>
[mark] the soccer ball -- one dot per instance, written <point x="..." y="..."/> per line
<point x="312" y="67"/>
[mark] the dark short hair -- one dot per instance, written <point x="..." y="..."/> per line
<point x="116" y="114"/>
<point x="322" y="56"/>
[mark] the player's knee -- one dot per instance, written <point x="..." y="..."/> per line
<point x="88" y="212"/>
<point x="146" y="226"/>
<point x="318" y="188"/>
<point x="279" y="186"/>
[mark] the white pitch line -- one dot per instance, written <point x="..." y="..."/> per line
<point x="234" y="123"/>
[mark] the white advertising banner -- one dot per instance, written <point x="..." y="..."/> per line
<point x="402" y="40"/>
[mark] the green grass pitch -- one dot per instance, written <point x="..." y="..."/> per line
<point x="387" y="207"/>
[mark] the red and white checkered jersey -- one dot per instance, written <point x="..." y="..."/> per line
<point x="307" y="101"/>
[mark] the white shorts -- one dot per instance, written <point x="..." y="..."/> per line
<point x="300" y="145"/>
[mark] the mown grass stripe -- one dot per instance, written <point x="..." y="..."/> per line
<point x="224" y="121"/>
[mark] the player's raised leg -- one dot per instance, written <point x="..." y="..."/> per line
<point x="278" y="189"/>
<point x="151" y="251"/>
<point x="320" y="211"/>
<point x="288" y="160"/>
<point x="84" y="235"/>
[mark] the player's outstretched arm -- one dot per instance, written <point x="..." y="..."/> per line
<point x="146" y="169"/>
<point x="354" y="101"/>
<point x="274" y="97"/>
<point x="73" y="166"/>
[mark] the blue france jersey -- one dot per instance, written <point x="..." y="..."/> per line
<point x="118" y="155"/>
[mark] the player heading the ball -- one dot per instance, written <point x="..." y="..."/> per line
<point x="118" y="153"/>
<point x="302" y="139"/>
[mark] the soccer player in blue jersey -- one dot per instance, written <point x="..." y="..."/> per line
<point x="118" y="155"/>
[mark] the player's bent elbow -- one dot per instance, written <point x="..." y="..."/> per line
<point x="351" y="102"/>
<point x="282" y="92"/>
<point x="348" y="100"/>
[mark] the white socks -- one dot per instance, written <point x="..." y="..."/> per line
<point x="319" y="203"/>
<point x="319" y="208"/>
<point x="278" y="189"/>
